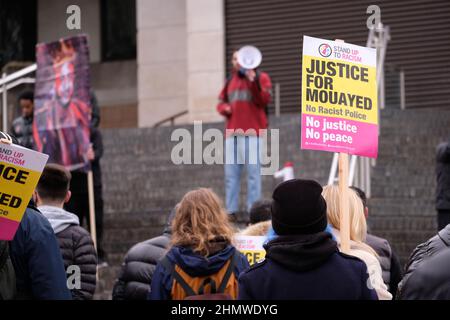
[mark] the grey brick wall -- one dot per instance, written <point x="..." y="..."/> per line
<point x="141" y="184"/>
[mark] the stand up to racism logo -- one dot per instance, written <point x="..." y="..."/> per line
<point x="325" y="50"/>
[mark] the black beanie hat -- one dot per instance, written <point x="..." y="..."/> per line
<point x="298" y="208"/>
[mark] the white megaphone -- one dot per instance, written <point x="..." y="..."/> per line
<point x="286" y="173"/>
<point x="249" y="57"/>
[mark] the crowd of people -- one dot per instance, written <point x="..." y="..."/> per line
<point x="52" y="256"/>
<point x="195" y="258"/>
<point x="303" y="255"/>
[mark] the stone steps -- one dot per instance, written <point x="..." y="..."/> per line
<point x="106" y="279"/>
<point x="141" y="185"/>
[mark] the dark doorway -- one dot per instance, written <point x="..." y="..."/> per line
<point x="18" y="30"/>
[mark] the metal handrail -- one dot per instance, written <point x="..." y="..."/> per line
<point x="18" y="82"/>
<point x="171" y="118"/>
<point x="5" y="83"/>
<point x="16" y="65"/>
<point x="18" y="74"/>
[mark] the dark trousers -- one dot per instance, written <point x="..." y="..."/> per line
<point x="443" y="219"/>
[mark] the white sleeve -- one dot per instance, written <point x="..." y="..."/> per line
<point x="376" y="279"/>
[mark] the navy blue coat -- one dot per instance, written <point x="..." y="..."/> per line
<point x="37" y="260"/>
<point x="193" y="264"/>
<point x="301" y="272"/>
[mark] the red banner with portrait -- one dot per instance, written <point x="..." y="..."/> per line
<point x="62" y="102"/>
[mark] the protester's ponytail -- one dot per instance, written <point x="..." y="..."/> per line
<point x="358" y="224"/>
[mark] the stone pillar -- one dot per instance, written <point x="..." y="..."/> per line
<point x="161" y="59"/>
<point x="205" y="57"/>
<point x="180" y="59"/>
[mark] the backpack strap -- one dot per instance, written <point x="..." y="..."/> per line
<point x="212" y="284"/>
<point x="227" y="83"/>
<point x="166" y="263"/>
<point x="258" y="84"/>
<point x="7" y="273"/>
<point x="228" y="273"/>
<point x="4" y="252"/>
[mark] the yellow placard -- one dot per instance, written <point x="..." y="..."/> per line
<point x="254" y="256"/>
<point x="251" y="247"/>
<point x="338" y="96"/>
<point x="16" y="189"/>
<point x="20" y="170"/>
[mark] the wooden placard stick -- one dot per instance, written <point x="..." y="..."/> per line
<point x="93" y="228"/>
<point x="344" y="215"/>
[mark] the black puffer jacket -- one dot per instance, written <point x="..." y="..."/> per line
<point x="430" y="281"/>
<point x="77" y="249"/>
<point x="138" y="268"/>
<point x="139" y="265"/>
<point x="423" y="252"/>
<point x="443" y="177"/>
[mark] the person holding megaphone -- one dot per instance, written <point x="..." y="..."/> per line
<point x="243" y="103"/>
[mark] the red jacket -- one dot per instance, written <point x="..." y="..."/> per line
<point x="247" y="100"/>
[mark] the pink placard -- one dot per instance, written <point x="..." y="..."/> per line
<point x="8" y="228"/>
<point x="339" y="135"/>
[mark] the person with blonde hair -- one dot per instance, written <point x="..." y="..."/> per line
<point x="358" y="232"/>
<point x="201" y="259"/>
